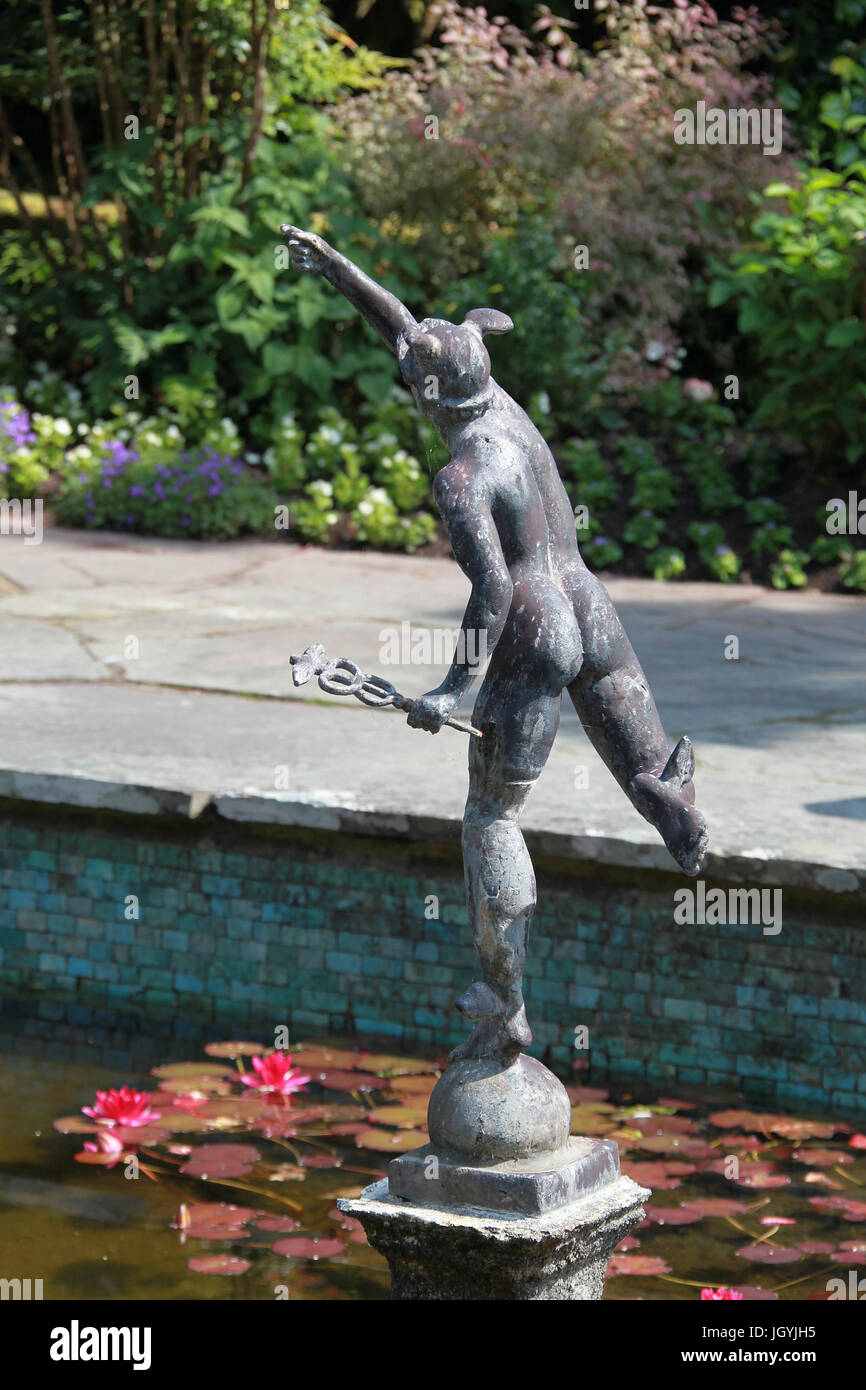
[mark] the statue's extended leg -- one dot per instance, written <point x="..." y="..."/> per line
<point x="612" y="697"/>
<point x="517" y="711"/>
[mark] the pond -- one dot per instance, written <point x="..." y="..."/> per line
<point x="225" y="1189"/>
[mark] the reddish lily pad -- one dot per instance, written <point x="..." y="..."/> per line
<point x="334" y="1080"/>
<point x="215" y="1214"/>
<point x="822" y="1158"/>
<point x="716" y="1206"/>
<point x="321" y="1161"/>
<point x="636" y="1264"/>
<point x="218" y="1264"/>
<point x="816" y="1247"/>
<point x="221" y="1161"/>
<point x="586" y="1095"/>
<point x="849" y="1257"/>
<point x="309" y="1247"/>
<point x="858" y="1141"/>
<point x="196" y="1232"/>
<point x="791" y="1128"/>
<point x="753" y="1293"/>
<point x="767" y="1254"/>
<point x="742" y="1119"/>
<point x="277" y="1223"/>
<point x="673" y="1216"/>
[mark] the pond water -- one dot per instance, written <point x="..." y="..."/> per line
<point x="771" y="1204"/>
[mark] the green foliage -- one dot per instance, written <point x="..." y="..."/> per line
<point x="852" y="570"/>
<point x="667" y="563"/>
<point x="788" y="572"/>
<point x="799" y="295"/>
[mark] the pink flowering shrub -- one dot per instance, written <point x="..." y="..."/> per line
<point x="493" y="126"/>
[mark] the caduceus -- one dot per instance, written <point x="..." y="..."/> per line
<point x="342" y="677"/>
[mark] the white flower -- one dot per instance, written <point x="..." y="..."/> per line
<point x="366" y="508"/>
<point x="151" y="438"/>
<point x="654" y="351"/>
<point x="329" y="435"/>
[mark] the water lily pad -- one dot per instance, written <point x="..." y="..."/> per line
<point x="392" y="1140"/>
<point x="582" y="1095"/>
<point x="179" y="1071"/>
<point x="716" y="1206"/>
<point x="636" y="1264"/>
<point x="791" y="1128"/>
<point x="218" y="1264"/>
<point x="742" y="1119"/>
<point x="221" y="1161"/>
<point x="196" y="1232"/>
<point x="816" y="1247"/>
<point x="309" y="1247"/>
<point x="753" y="1293"/>
<point x="849" y="1257"/>
<point x="334" y="1080"/>
<point x="850" y="1208"/>
<point x="216" y="1214"/>
<point x="822" y="1158"/>
<point x="767" y="1254"/>
<point x="277" y="1223"/>
<point x="413" y="1085"/>
<point x="400" y="1116"/>
<point x="321" y="1057"/>
<point x="655" y="1175"/>
<point x="321" y="1161"/>
<point x="196" y="1086"/>
<point x="76" y="1124"/>
<point x="237" y="1049"/>
<point x="673" y="1216"/>
<point x="395" y="1066"/>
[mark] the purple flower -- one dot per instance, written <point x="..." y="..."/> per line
<point x="136" y="490"/>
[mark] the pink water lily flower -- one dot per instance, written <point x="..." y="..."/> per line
<point x="123" y="1107"/>
<point x="275" y="1074"/>
<point x="108" y="1143"/>
<point x="716" y="1294"/>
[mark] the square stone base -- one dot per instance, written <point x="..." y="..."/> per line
<point x="525" y="1187"/>
<point x="437" y="1254"/>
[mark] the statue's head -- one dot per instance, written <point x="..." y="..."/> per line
<point x="445" y="365"/>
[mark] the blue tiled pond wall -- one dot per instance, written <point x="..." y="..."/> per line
<point x="332" y="933"/>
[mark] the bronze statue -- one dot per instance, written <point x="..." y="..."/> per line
<point x="548" y="622"/>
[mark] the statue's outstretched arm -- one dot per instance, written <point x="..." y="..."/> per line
<point x="383" y="311"/>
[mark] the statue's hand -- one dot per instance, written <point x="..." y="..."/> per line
<point x="308" y="251"/>
<point x="431" y="711"/>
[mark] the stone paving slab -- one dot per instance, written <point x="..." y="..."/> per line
<point x="208" y="707"/>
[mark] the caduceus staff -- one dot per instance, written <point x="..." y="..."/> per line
<point x="343" y="677"/>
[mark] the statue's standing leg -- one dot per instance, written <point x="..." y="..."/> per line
<point x="616" y="707"/>
<point x="517" y="711"/>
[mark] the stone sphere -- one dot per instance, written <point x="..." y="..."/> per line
<point x="485" y="1111"/>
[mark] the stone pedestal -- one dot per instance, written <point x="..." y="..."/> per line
<point x="502" y="1203"/>
<point x="437" y="1253"/>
